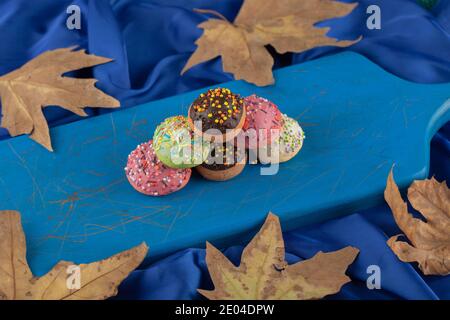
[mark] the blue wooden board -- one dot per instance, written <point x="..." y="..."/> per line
<point x="76" y="203"/>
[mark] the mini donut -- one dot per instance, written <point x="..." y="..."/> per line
<point x="289" y="143"/>
<point x="224" y="162"/>
<point x="148" y="175"/>
<point x="217" y="109"/>
<point x="176" y="145"/>
<point x="262" y="116"/>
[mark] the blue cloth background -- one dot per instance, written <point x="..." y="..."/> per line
<point x="150" y="42"/>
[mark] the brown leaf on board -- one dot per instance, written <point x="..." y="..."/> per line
<point x="287" y="25"/>
<point x="264" y="274"/>
<point x="98" y="280"/>
<point x="39" y="83"/>
<point x="430" y="239"/>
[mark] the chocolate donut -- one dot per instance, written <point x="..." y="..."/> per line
<point x="224" y="162"/>
<point x="218" y="109"/>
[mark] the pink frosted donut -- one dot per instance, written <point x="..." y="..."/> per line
<point x="150" y="176"/>
<point x="262" y="116"/>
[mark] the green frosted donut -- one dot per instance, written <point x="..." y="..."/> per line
<point x="176" y="146"/>
<point x="289" y="143"/>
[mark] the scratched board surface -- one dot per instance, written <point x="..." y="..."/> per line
<point x="77" y="205"/>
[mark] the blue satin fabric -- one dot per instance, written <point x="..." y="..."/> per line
<point x="150" y="41"/>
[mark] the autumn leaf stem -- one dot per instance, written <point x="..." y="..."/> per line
<point x="212" y="12"/>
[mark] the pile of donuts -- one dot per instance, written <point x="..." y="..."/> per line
<point x="216" y="119"/>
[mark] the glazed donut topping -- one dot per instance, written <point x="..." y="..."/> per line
<point x="217" y="109"/>
<point x="224" y="156"/>
<point x="148" y="175"/>
<point x="176" y="146"/>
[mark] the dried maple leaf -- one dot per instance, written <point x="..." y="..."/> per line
<point x="98" y="280"/>
<point x="430" y="239"/>
<point x="287" y="25"/>
<point x="39" y="83"/>
<point x="264" y="274"/>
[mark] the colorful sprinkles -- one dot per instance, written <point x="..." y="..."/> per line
<point x="292" y="136"/>
<point x="224" y="156"/>
<point x="176" y="145"/>
<point x="217" y="108"/>
<point x="148" y="175"/>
